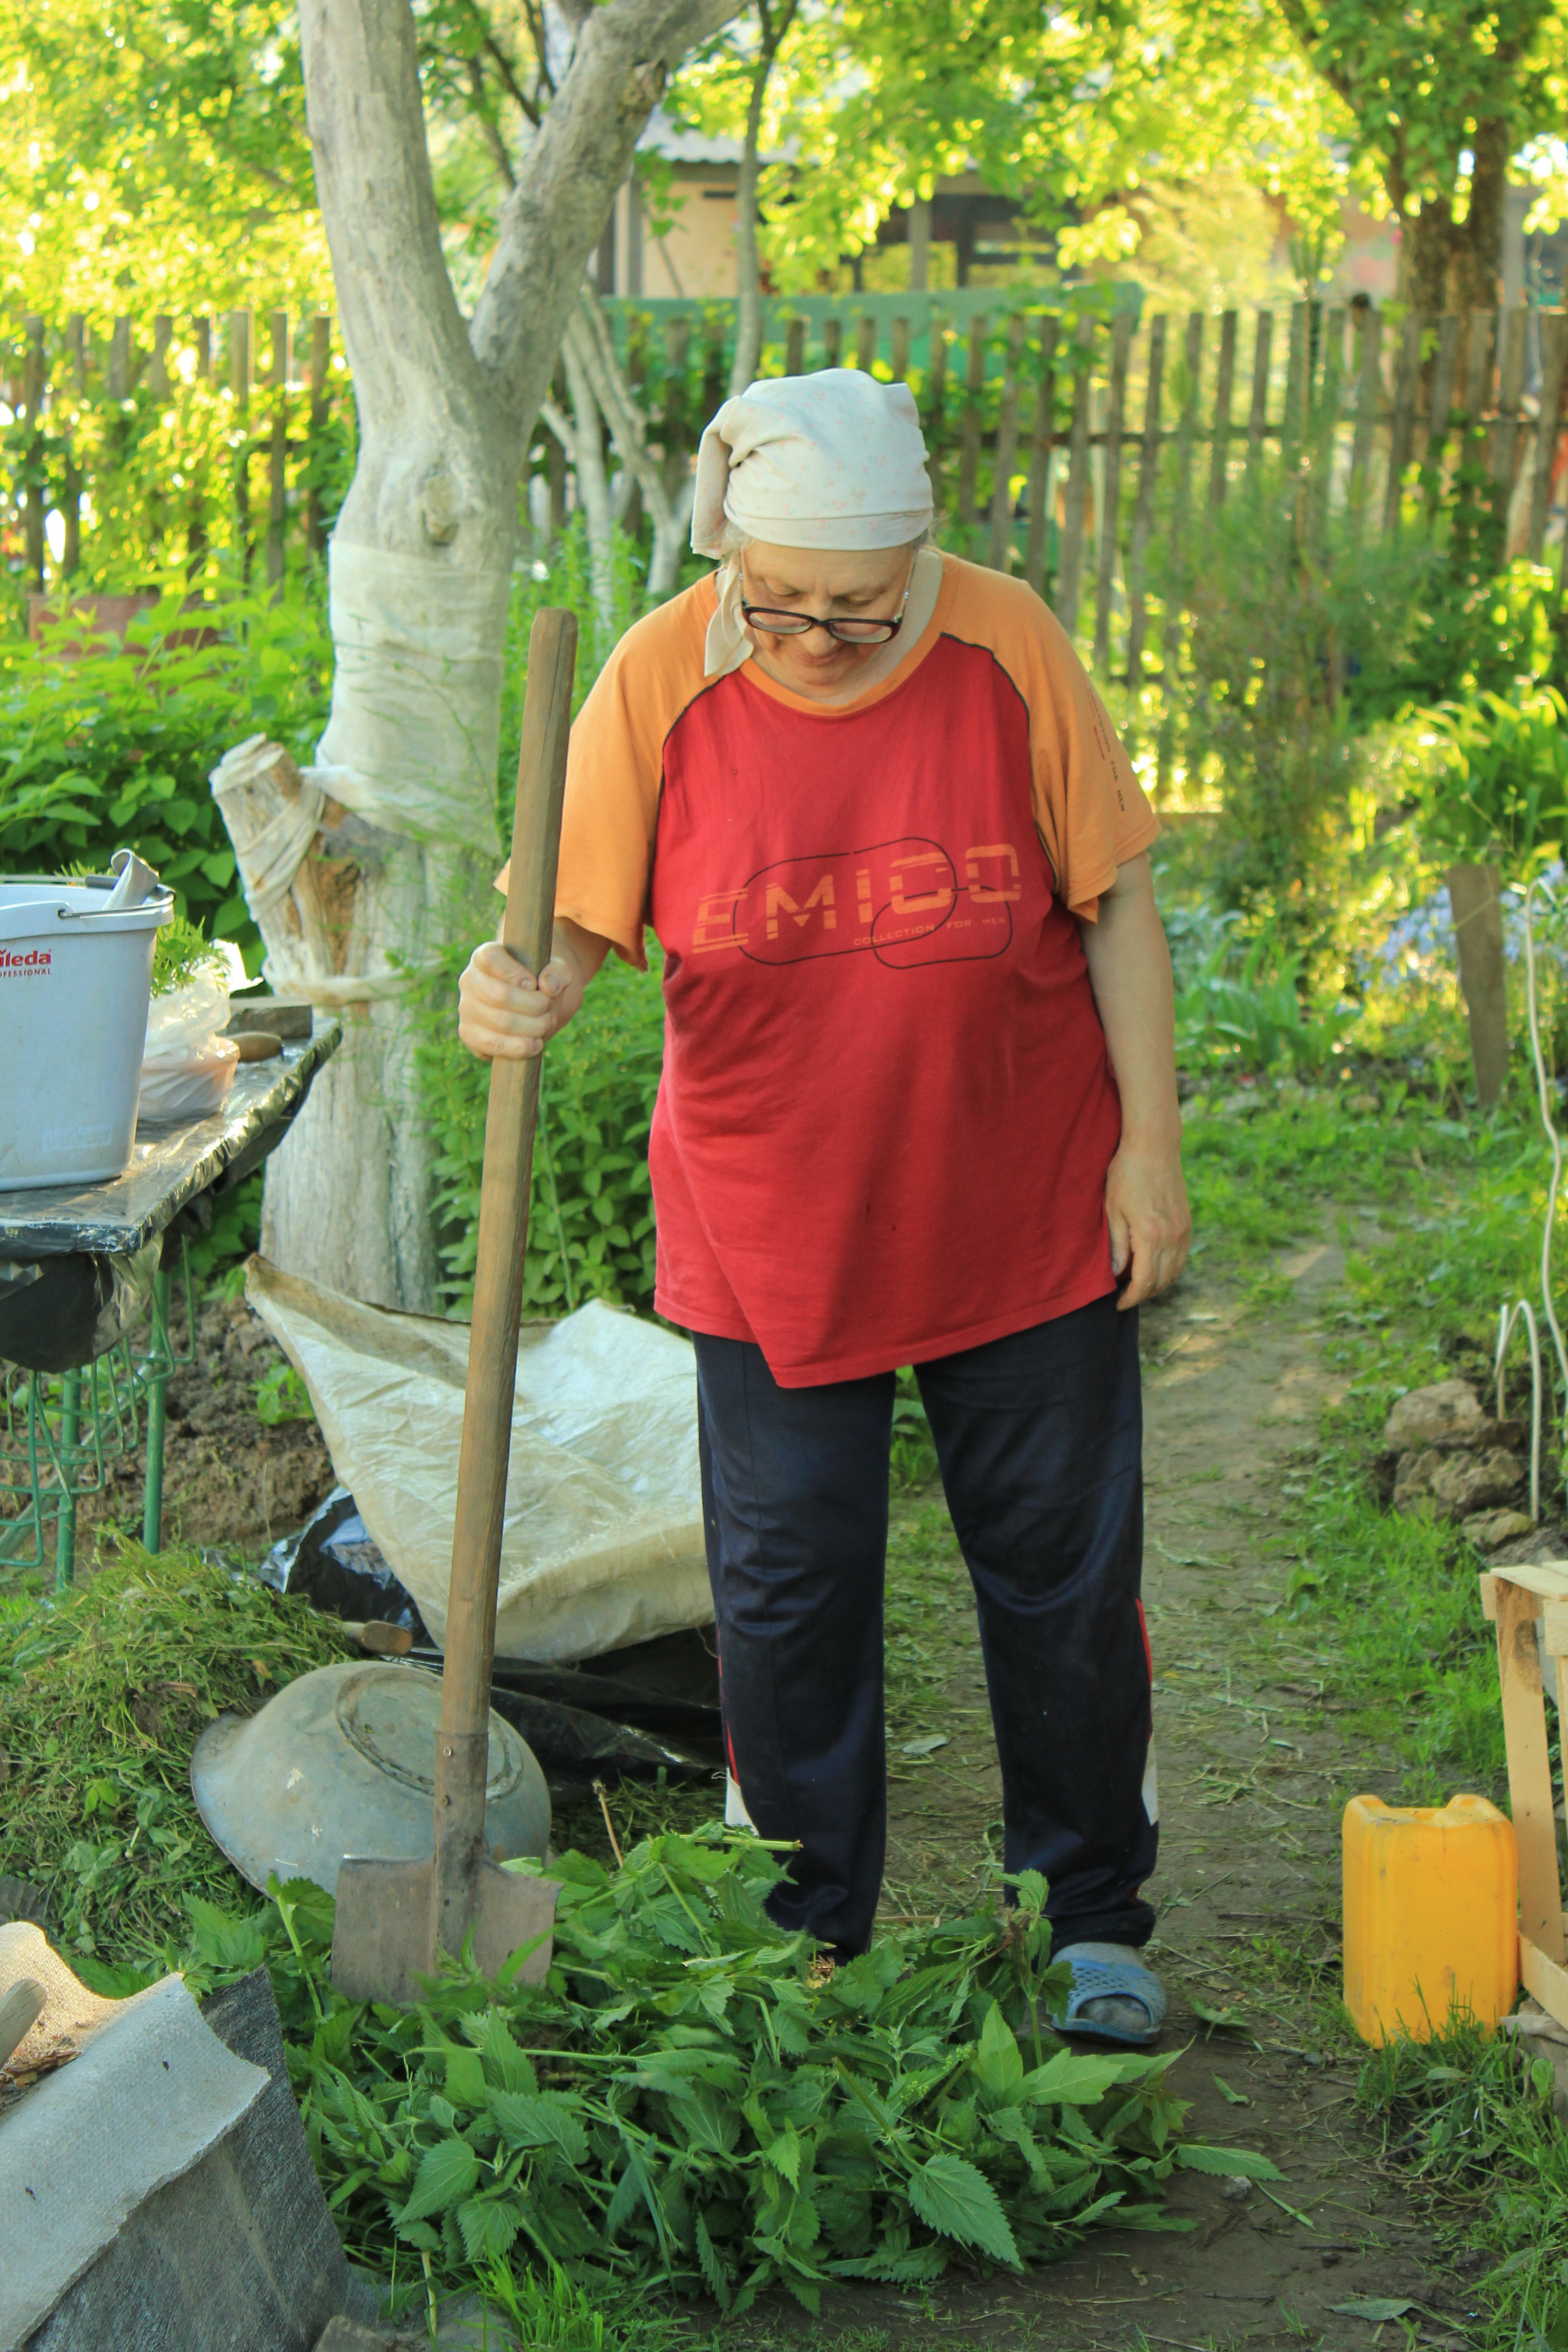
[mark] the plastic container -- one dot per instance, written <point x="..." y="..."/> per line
<point x="1431" y="1916"/>
<point x="74" y="989"/>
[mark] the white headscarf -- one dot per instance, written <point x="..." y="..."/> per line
<point x="828" y="460"/>
<point x="832" y="460"/>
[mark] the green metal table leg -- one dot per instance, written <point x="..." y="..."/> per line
<point x="65" y="1525"/>
<point x="158" y="1382"/>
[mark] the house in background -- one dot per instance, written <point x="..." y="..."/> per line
<point x="963" y="235"/>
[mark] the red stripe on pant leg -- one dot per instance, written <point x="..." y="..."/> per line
<point x="1144" y="1629"/>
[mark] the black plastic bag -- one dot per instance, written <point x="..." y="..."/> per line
<point x="335" y="1563"/>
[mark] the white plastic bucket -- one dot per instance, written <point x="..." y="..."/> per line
<point x="73" y="990"/>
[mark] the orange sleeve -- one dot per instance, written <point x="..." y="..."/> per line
<point x="614" y="771"/>
<point x="1091" y="811"/>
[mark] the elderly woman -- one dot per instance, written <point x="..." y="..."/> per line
<point x="919" y="1106"/>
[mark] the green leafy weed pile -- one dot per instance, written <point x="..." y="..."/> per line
<point x="695" y="2099"/>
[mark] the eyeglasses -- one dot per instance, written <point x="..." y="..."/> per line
<point x="845" y="633"/>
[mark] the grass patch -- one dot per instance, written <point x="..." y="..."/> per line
<point x="1470" y="2119"/>
<point x="1383" y="1607"/>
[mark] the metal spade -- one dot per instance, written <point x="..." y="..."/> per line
<point x="394" y="1918"/>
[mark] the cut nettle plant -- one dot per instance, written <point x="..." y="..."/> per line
<point x="696" y="2100"/>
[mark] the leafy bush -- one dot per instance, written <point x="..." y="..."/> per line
<point x="1495" y="778"/>
<point x="114" y="746"/>
<point x="590" y="1226"/>
<point x="1256" y="1019"/>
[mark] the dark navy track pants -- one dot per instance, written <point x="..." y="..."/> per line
<point x="1039" y="1438"/>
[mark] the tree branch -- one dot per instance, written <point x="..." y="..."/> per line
<point x="556" y="216"/>
<point x="487" y="126"/>
<point x="526" y="106"/>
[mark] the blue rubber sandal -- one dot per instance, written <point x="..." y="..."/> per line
<point x="1109" y="1972"/>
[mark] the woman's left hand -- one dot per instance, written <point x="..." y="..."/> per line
<point x="1151" y="1223"/>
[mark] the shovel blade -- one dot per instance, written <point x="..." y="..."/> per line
<point x="384" y="1934"/>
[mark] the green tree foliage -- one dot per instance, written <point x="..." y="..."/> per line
<point x="156" y="147"/>
<point x="1068" y="112"/>
<point x="1440" y="96"/>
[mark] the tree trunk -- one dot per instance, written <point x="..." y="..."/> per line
<point x="1475" y="897"/>
<point x="420" y="567"/>
<point x="1449" y="265"/>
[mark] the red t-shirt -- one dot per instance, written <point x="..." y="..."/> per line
<point x="886" y="1113"/>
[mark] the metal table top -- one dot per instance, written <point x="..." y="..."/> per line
<point x="169" y="1165"/>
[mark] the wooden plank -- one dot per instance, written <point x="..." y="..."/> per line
<point x="239" y="388"/>
<point x="1298" y="384"/>
<point x="999" y="553"/>
<point x="1325" y="431"/>
<point x="673" y="432"/>
<point x="70" y="500"/>
<point x="1480" y="329"/>
<point x="1258" y="414"/>
<point x="1143" y="512"/>
<point x="122" y="361"/>
<point x="900" y="350"/>
<point x="866" y="337"/>
<point x="1043" y="443"/>
<point x="316" y="429"/>
<point x="1186" y="437"/>
<point x="1504" y="451"/>
<point x="1529" y="1771"/>
<point x="1488" y="1597"/>
<point x="1554" y="1628"/>
<point x="1440" y="407"/>
<point x="1368" y="400"/>
<point x="35" y="383"/>
<point x="1225" y="379"/>
<point x="1547" y="1579"/>
<point x="1111" y="498"/>
<point x="969" y="427"/>
<point x="794" y="347"/>
<point x="1402" y="419"/>
<point x="196" y="515"/>
<point x="1548" y="428"/>
<point x="157" y="370"/>
<point x="832" y="342"/>
<point x="277" y="452"/>
<point x="1069" y="577"/>
<point x="935" y="419"/>
<point x="1547" y="1979"/>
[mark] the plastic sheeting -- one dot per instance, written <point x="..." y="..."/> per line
<point x="602" y="1544"/>
<point x="413" y="736"/>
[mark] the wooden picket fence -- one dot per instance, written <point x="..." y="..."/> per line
<point x="1081" y="445"/>
<point x="88" y="401"/>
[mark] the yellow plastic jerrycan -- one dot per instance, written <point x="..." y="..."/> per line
<point x="1431" y="1916"/>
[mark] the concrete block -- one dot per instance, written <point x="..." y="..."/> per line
<point x="239" y="2254"/>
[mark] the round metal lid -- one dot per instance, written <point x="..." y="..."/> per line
<point x="393" y="1720"/>
<point x="341" y="1761"/>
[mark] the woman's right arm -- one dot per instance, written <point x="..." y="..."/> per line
<point x="505" y="1013"/>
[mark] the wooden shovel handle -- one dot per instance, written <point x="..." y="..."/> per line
<point x="526" y="933"/>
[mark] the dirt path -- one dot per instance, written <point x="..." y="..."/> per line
<point x="1253" y="1778"/>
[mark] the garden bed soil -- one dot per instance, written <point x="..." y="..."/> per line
<point x="230" y="1481"/>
